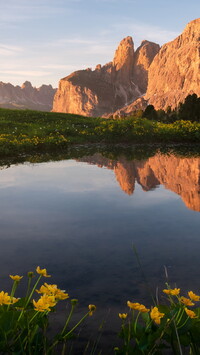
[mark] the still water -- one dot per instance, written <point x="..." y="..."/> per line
<point x="80" y="219"/>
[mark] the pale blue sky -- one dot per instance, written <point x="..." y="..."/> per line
<point x="45" y="40"/>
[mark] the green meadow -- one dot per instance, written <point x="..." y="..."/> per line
<point x="31" y="132"/>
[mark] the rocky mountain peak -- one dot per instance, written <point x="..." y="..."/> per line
<point x="144" y="56"/>
<point x="108" y="87"/>
<point x="124" y="54"/>
<point x="27" y="85"/>
<point x="124" y="60"/>
<point x="174" y="73"/>
<point x="193" y="29"/>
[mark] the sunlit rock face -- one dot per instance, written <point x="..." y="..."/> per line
<point x="180" y="175"/>
<point x="135" y="79"/>
<point x="175" y="71"/>
<point x="109" y="87"/>
<point x="26" y="96"/>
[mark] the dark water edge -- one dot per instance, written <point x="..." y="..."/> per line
<point x="129" y="151"/>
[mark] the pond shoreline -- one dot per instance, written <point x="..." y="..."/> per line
<point x="29" y="133"/>
<point x="139" y="151"/>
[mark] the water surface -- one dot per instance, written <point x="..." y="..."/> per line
<point x="80" y="219"/>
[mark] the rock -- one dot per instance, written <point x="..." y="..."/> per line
<point x="175" y="70"/>
<point x="160" y="77"/>
<point x="26" y="96"/>
<point x="123" y="61"/>
<point x="180" y="175"/>
<point x="109" y="87"/>
<point x="144" y="56"/>
<point x="137" y="105"/>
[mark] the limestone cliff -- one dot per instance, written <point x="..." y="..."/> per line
<point x="26" y="96"/>
<point x="109" y="87"/>
<point x="175" y="70"/>
<point x="180" y="175"/>
<point x="136" y="78"/>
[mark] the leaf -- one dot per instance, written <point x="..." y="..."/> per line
<point x="185" y="339"/>
<point x="8" y="321"/>
<point x="146" y="318"/>
<point x="21" y="303"/>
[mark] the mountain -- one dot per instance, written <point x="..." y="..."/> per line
<point x="109" y="87"/>
<point x="180" y="175"/>
<point x="150" y="75"/>
<point x="26" y="96"/>
<point x="175" y="71"/>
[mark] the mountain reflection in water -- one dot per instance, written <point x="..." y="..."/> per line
<point x="180" y="175"/>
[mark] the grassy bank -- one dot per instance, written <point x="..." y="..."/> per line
<point x="29" y="132"/>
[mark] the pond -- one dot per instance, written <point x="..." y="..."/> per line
<point x="87" y="219"/>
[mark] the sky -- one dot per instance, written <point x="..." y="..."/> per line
<point x="43" y="41"/>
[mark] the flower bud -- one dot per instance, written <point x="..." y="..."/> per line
<point x="74" y="302"/>
<point x="30" y="274"/>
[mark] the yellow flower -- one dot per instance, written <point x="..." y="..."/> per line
<point x="53" y="290"/>
<point x="193" y="296"/>
<point x="49" y="299"/>
<point x="4" y="298"/>
<point x="15" y="277"/>
<point x="44" y="303"/>
<point x="186" y="301"/>
<point x="13" y="300"/>
<point x="42" y="272"/>
<point x="156" y="315"/>
<point x="137" y="306"/>
<point x="123" y="315"/>
<point x="61" y="295"/>
<point x="190" y="313"/>
<point x="172" y="292"/>
<point x="92" y="309"/>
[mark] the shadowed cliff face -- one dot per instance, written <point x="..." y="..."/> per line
<point x="180" y="175"/>
<point x="26" y="96"/>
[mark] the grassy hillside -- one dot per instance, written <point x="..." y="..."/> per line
<point x="27" y="132"/>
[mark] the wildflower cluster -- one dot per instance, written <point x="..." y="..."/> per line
<point x="6" y="299"/>
<point x="27" y="318"/>
<point x="151" y="329"/>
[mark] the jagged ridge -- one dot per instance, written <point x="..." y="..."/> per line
<point x="108" y="87"/>
<point x="26" y="96"/>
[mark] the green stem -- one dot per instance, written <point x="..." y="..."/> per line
<point x="183" y="323"/>
<point x="31" y="294"/>
<point x="36" y="313"/>
<point x="14" y="287"/>
<point x="33" y="290"/>
<point x="135" y="325"/>
<point x="177" y="336"/>
<point x="28" y="287"/>
<point x="64" y="348"/>
<point x="65" y="336"/>
<point x="68" y="319"/>
<point x="76" y="326"/>
<point x="179" y="315"/>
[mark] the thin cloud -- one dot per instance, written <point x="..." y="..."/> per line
<point x="60" y="66"/>
<point x="26" y="73"/>
<point x="72" y="41"/>
<point x="141" y="31"/>
<point x="9" y="49"/>
<point x="23" y="11"/>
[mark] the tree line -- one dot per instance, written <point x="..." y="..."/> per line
<point x="188" y="110"/>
